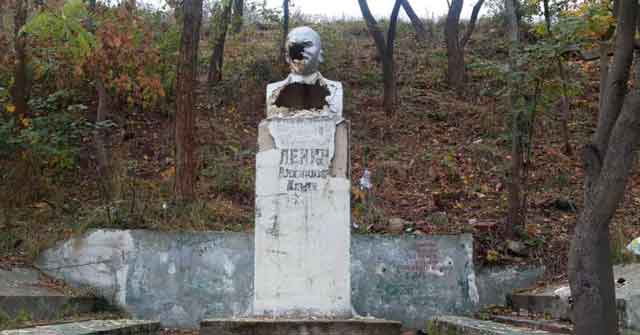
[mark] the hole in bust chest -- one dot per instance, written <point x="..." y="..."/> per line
<point x="299" y="96"/>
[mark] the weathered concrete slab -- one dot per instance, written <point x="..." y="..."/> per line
<point x="102" y="327"/>
<point x="553" y="300"/>
<point x="24" y="294"/>
<point x="183" y="278"/>
<point x="629" y="292"/>
<point x="495" y="281"/>
<point x="457" y="325"/>
<point x="413" y="278"/>
<point x="299" y="327"/>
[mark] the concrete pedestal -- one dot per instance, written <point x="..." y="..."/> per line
<point x="299" y="327"/>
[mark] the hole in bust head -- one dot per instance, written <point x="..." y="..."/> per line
<point x="299" y="96"/>
<point x="296" y="50"/>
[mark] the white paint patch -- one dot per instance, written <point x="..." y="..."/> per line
<point x="474" y="296"/>
<point x="441" y="267"/>
<point x="164" y="257"/>
<point x="107" y="253"/>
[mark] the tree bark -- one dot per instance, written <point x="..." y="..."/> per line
<point x="511" y="20"/>
<point x="421" y="32"/>
<point x="20" y="88"/>
<point x="103" y="159"/>
<point x="616" y="85"/>
<point x="547" y="15"/>
<point x="515" y="214"/>
<point x="285" y="29"/>
<point x="185" y="129"/>
<point x="105" y="171"/>
<point x="389" y="74"/>
<point x="608" y="162"/>
<point x="604" y="72"/>
<point x="238" y="15"/>
<point x="455" y="56"/>
<point x="221" y="25"/>
<point x="385" y="51"/>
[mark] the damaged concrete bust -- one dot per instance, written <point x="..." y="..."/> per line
<point x="302" y="233"/>
<point x="305" y="91"/>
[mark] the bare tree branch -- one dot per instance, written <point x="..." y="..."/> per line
<point x="472" y="23"/>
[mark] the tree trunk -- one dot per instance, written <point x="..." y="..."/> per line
<point x="421" y="32"/>
<point x="389" y="74"/>
<point x="385" y="51"/>
<point x="105" y="171"/>
<point x="547" y="15"/>
<point x="456" y="45"/>
<point x="608" y="162"/>
<point x="103" y="159"/>
<point x="221" y="25"/>
<point x="130" y="5"/>
<point x="511" y="20"/>
<point x="285" y="29"/>
<point x="238" y="15"/>
<point x="515" y="214"/>
<point x="20" y="89"/>
<point x="185" y="129"/>
<point x="455" y="56"/>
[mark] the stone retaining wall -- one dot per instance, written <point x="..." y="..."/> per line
<point x="183" y="278"/>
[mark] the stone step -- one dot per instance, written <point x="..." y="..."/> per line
<point x="302" y="326"/>
<point x="102" y="327"/>
<point x="543" y="303"/>
<point x="26" y="295"/>
<point x="553" y="301"/>
<point x="459" y="325"/>
<point x="554" y="326"/>
<point x="551" y="305"/>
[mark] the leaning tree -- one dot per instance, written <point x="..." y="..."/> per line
<point x="221" y="21"/>
<point x="385" y="50"/>
<point x="421" y="31"/>
<point x="608" y="161"/>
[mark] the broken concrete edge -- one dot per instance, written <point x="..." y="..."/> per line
<point x="334" y="101"/>
<point x="103" y="327"/>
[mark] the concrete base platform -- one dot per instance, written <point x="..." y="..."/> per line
<point x="299" y="327"/>
<point x="95" y="327"/>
